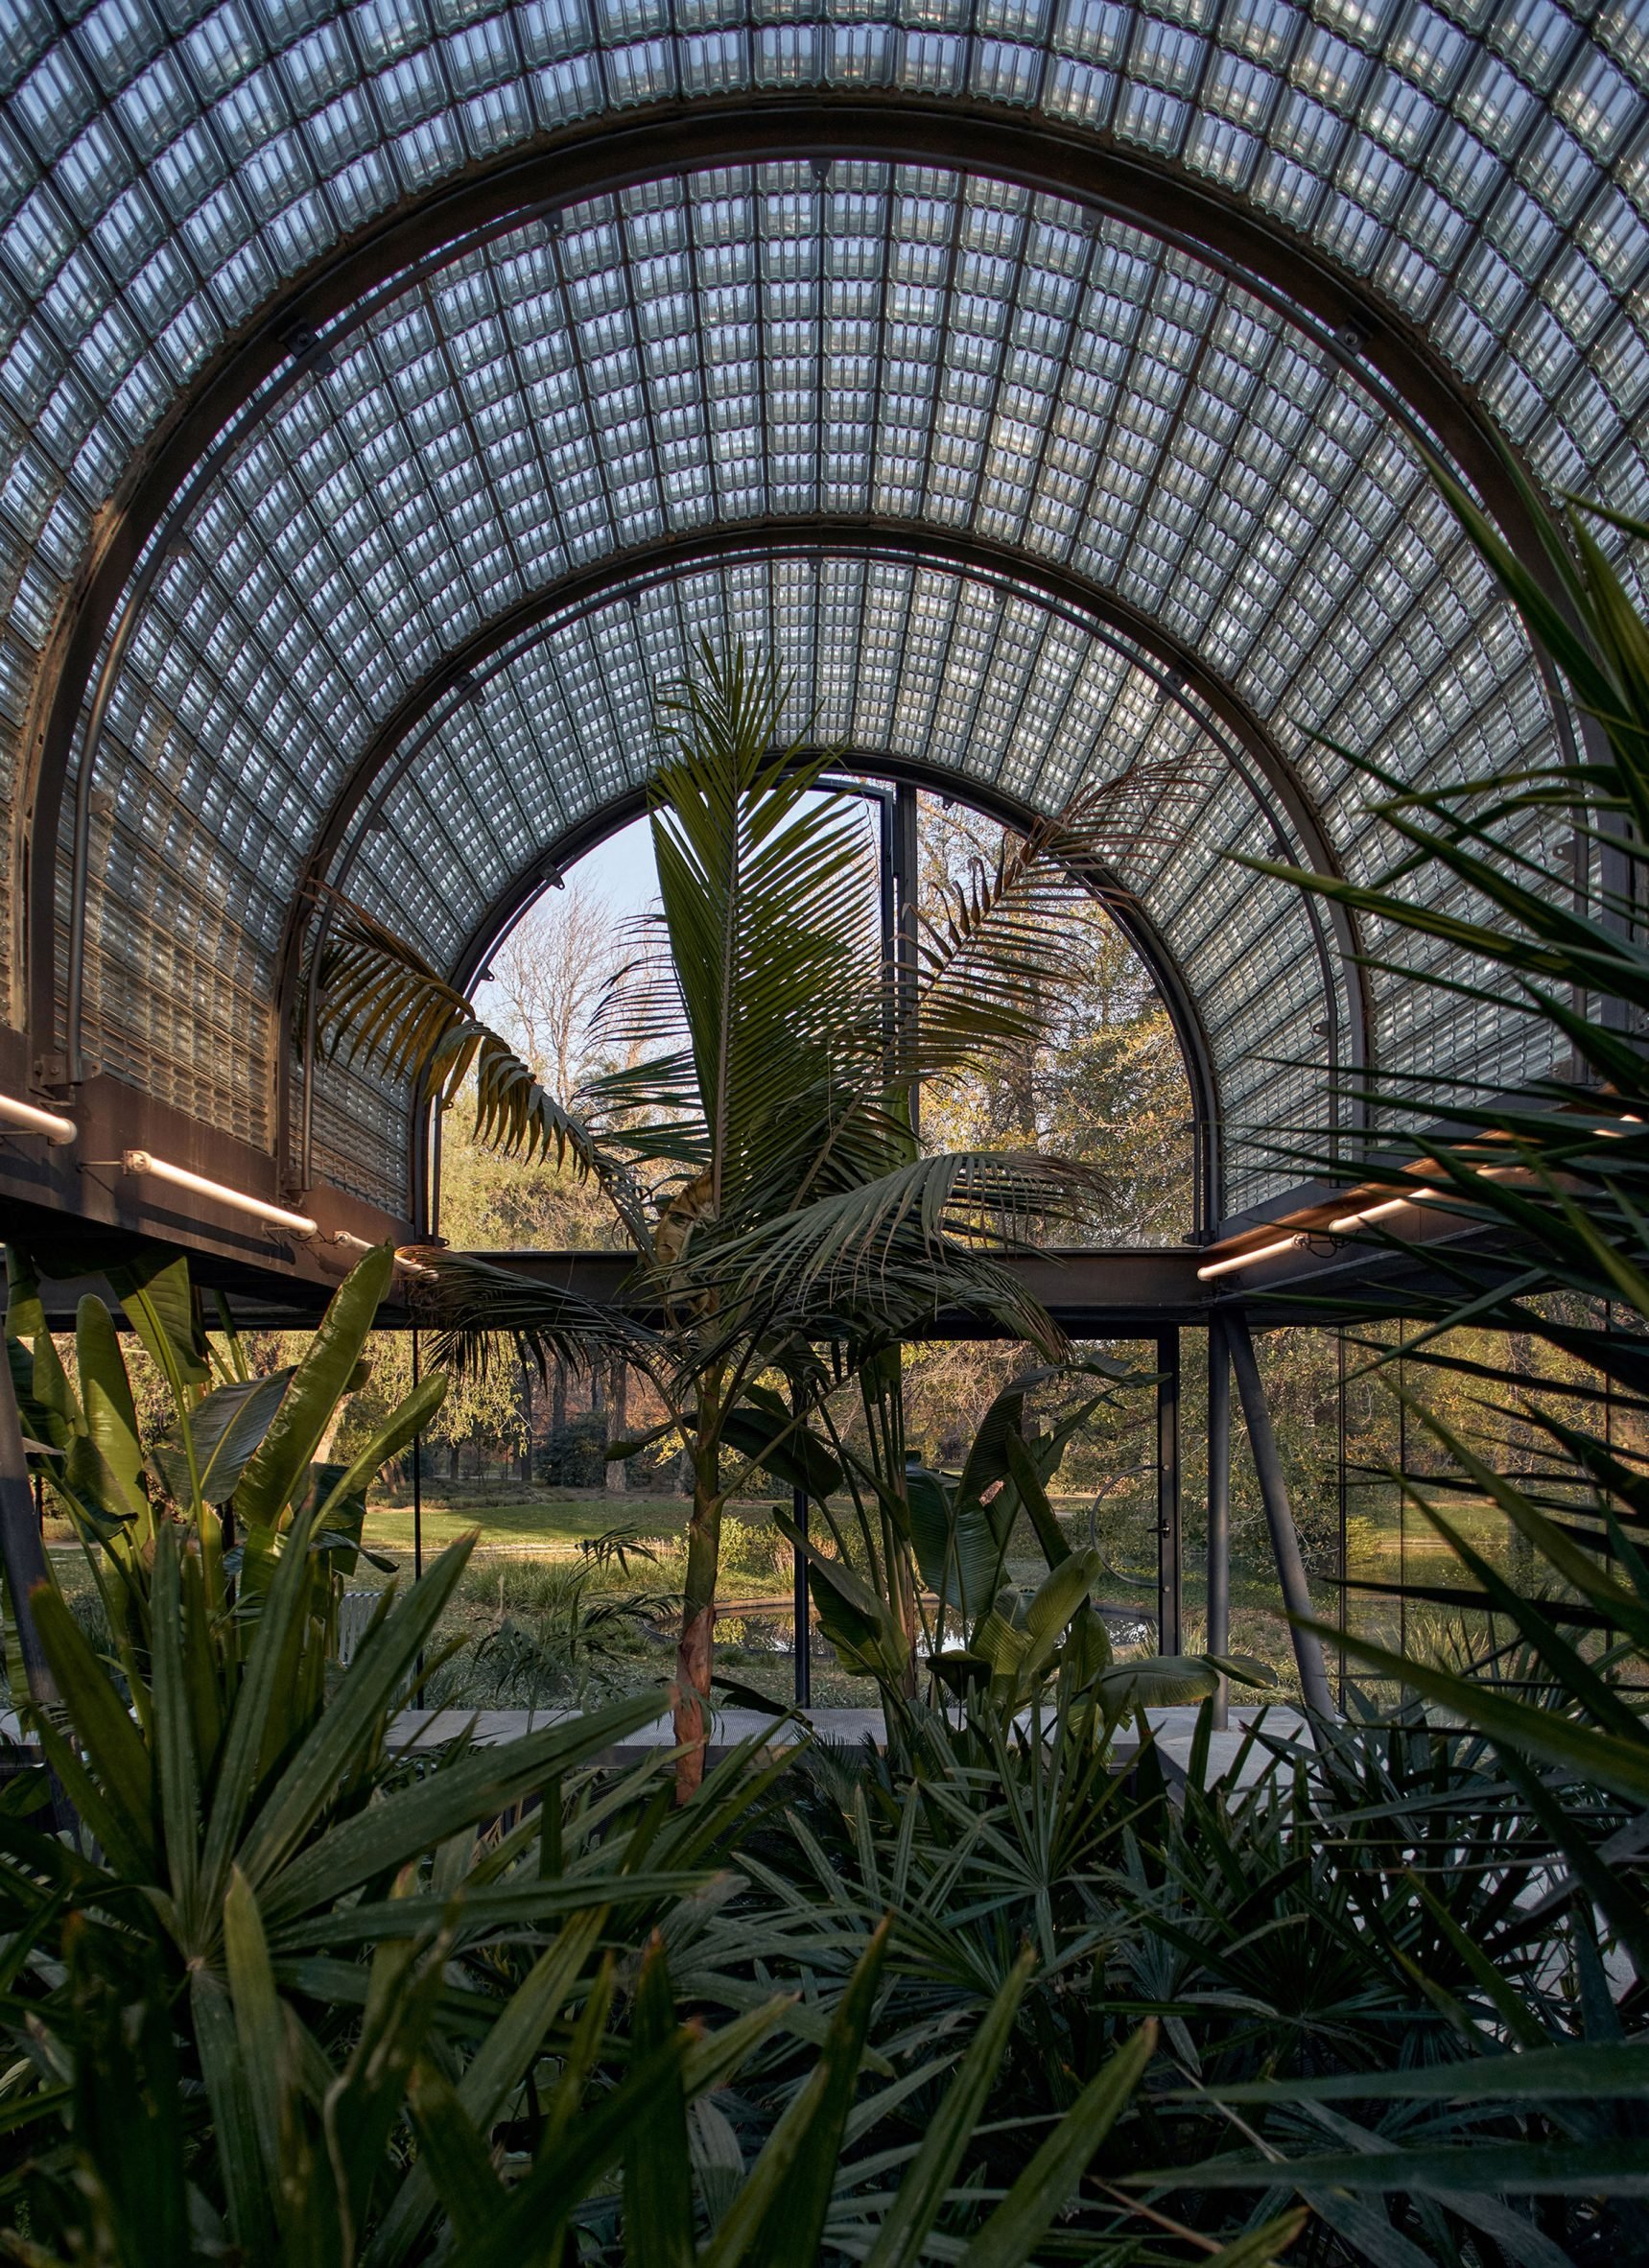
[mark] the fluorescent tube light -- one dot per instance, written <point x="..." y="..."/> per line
<point x="143" y="1160"/>
<point x="29" y="1119"/>
<point x="1247" y="1260"/>
<point x="1349" y="1223"/>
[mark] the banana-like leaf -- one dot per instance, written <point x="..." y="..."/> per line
<point x="861" y="1624"/>
<point x="275" y="1472"/>
<point x="229" y="1426"/>
<point x="153" y="1287"/>
<point x="764" y="1430"/>
<point x="1169" y="1679"/>
<point x="109" y="1412"/>
<point x="404" y="1423"/>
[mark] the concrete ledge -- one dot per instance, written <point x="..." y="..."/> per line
<point x="426" y="1730"/>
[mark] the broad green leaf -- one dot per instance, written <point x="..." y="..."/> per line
<point x="25" y="1311"/>
<point x="105" y="1401"/>
<point x="762" y="1429"/>
<point x="857" y="1622"/>
<point x="227" y="1426"/>
<point x="153" y="1287"/>
<point x="409" y="1418"/>
<point x="1033" y="1497"/>
<point x="274" y="1473"/>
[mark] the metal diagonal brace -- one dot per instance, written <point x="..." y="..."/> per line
<point x="1278" y="1517"/>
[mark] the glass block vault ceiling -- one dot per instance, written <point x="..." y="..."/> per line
<point x="897" y="658"/>
<point x="892" y="347"/>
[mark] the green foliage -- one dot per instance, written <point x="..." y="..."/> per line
<point x="764" y="1106"/>
<point x="1018" y="1642"/>
<point x="1553" y="1187"/>
<point x="233" y="1467"/>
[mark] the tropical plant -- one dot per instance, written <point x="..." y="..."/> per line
<point x="282" y="1989"/>
<point x="1020" y="1643"/>
<point x="1548" y="1196"/>
<point x="760" y="1150"/>
<point x="239" y="1461"/>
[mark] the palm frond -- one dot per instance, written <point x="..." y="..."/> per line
<point x="380" y="1001"/>
<point x="769" y="910"/>
<point x="470" y="1304"/>
<point x="991" y="972"/>
<point x="874" y="1246"/>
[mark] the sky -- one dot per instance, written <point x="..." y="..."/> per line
<point x="622" y="870"/>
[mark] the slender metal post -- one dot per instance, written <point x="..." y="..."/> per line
<point x="1342" y="1506"/>
<point x="1220" y="1507"/>
<point x="1170" y="1550"/>
<point x="21" y="1546"/>
<point x="802" y="1650"/>
<point x="418" y="1520"/>
<point x="1278" y="1517"/>
<point x="905" y="846"/>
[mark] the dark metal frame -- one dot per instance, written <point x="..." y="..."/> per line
<point x="602" y="154"/>
<point x="1170" y="1509"/>
<point x="1130" y="917"/>
<point x="1217" y="1639"/>
<point x="1297" y="828"/>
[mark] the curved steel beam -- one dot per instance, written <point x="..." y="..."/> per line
<point x="1124" y="908"/>
<point x="1272" y="780"/>
<point x="601" y="153"/>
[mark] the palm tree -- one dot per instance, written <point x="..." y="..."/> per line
<point x="760" y="1150"/>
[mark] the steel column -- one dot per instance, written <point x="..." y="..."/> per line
<point x="802" y="1650"/>
<point x="1278" y="1517"/>
<point x="1171" y="1549"/>
<point x="905" y="865"/>
<point x="1218" y="1639"/>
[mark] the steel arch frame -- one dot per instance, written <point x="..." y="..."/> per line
<point x="601" y="155"/>
<point x="1202" y="1076"/>
<point x="1276" y="787"/>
